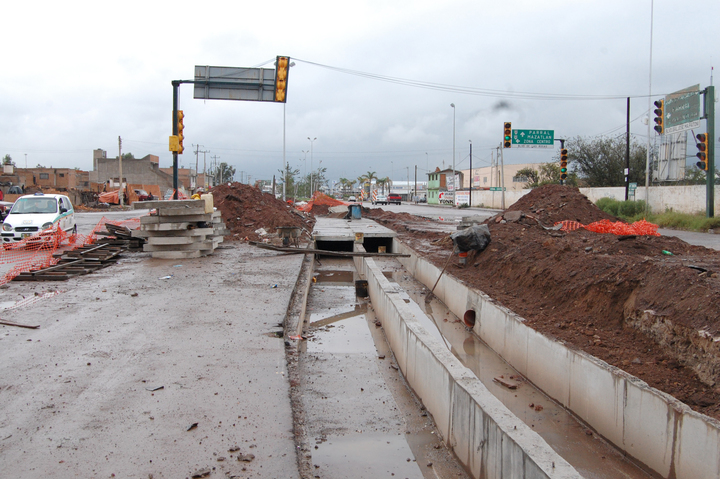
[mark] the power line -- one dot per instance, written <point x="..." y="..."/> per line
<point x="469" y="90"/>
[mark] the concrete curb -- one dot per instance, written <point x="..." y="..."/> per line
<point x="650" y="426"/>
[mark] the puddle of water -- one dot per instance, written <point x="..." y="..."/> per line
<point x="334" y="277"/>
<point x="364" y="419"/>
<point x="366" y="456"/>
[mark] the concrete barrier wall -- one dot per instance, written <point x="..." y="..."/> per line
<point x="485" y="436"/>
<point x="654" y="428"/>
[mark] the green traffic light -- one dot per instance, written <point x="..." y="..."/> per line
<point x="563" y="170"/>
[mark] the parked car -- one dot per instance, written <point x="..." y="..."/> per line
<point x="351" y="198"/>
<point x="32" y="214"/>
<point x="15" y="190"/>
<point x="380" y="200"/>
<point x="394" y="198"/>
<point x="144" y="195"/>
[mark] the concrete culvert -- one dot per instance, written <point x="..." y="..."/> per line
<point x="469" y="318"/>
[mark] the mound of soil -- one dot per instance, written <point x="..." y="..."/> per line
<point x="246" y="209"/>
<point x="623" y="299"/>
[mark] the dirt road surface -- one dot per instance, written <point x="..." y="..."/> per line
<point x="133" y="375"/>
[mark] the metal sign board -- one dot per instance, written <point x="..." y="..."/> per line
<point x="632" y="186"/>
<point x="232" y="83"/>
<point x="682" y="110"/>
<point x="533" y="138"/>
<point x="497" y="188"/>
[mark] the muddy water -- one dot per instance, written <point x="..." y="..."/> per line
<point x="361" y="419"/>
<point x="581" y="447"/>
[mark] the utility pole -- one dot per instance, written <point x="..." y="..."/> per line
<point x="416" y="191"/>
<point x="627" y="151"/>
<point x="197" y="153"/>
<point x="217" y="181"/>
<point x="471" y="176"/>
<point x="120" y="194"/>
<point x="408" y="183"/>
<point x="502" y="178"/>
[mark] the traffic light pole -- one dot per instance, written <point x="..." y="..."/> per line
<point x="176" y="87"/>
<point x="710" y="123"/>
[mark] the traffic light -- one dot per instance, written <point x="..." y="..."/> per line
<point x="282" y="68"/>
<point x="507" y="138"/>
<point x="181" y="127"/>
<point x="702" y="146"/>
<point x="659" y="116"/>
<point x="563" y="164"/>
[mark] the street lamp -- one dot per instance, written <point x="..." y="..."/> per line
<point x="453" y="181"/>
<point x="311" y="165"/>
<point x="305" y="163"/>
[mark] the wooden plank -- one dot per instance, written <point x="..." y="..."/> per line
<point x="9" y="323"/>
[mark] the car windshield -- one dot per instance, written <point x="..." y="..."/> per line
<point x="34" y="205"/>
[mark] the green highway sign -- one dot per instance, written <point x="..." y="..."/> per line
<point x="632" y="186"/>
<point x="682" y="110"/>
<point x="533" y="138"/>
<point x="496" y="188"/>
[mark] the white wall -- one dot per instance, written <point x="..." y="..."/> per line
<point x="684" y="199"/>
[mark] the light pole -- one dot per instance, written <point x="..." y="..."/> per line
<point x="453" y="181"/>
<point x="305" y="163"/>
<point x="311" y="165"/>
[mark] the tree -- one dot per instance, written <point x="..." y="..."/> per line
<point x="319" y="177"/>
<point x="128" y="156"/>
<point x="383" y="182"/>
<point x="366" y="179"/>
<point x="601" y="161"/>
<point x="549" y="174"/>
<point x="532" y="176"/>
<point x="223" y="173"/>
<point x="288" y="175"/>
<point x="8" y="160"/>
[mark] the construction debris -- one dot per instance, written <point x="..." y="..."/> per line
<point x="83" y="260"/>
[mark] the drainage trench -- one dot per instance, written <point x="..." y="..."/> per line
<point x="361" y="419"/>
<point x="589" y="454"/>
<point x="361" y="414"/>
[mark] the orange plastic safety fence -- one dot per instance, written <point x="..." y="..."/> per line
<point x="641" y="228"/>
<point x="36" y="252"/>
<point x="320" y="199"/>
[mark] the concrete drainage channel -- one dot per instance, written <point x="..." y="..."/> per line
<point x="356" y="416"/>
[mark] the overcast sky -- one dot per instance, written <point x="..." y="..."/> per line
<point x="76" y="75"/>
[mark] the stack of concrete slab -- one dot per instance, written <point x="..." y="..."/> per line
<point x="178" y="229"/>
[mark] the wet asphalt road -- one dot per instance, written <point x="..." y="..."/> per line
<point x="450" y="214"/>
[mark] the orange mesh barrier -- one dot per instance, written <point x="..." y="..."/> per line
<point x="320" y="199"/>
<point x="642" y="227"/>
<point x="36" y="252"/>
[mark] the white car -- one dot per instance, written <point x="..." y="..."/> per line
<point x="32" y="214"/>
<point x="351" y="198"/>
<point x="380" y="200"/>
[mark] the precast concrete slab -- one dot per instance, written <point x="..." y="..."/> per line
<point x="651" y="427"/>
<point x="334" y="229"/>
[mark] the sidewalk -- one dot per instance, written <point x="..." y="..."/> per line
<point x="133" y="375"/>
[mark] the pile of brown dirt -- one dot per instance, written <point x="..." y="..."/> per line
<point x="246" y="209"/>
<point x="622" y="299"/>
